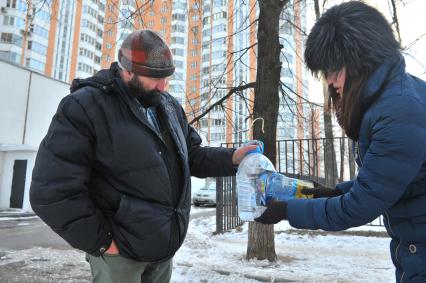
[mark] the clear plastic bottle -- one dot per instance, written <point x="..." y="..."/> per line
<point x="250" y="188"/>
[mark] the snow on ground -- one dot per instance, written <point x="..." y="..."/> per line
<point x="303" y="256"/>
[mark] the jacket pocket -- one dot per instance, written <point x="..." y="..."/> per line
<point x="142" y="229"/>
<point x="412" y="257"/>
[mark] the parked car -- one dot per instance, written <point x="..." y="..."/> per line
<point x="205" y="195"/>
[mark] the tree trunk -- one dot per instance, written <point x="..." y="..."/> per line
<point x="330" y="166"/>
<point x="266" y="104"/>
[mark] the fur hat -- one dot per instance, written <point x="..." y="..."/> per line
<point x="353" y="35"/>
<point x="145" y="53"/>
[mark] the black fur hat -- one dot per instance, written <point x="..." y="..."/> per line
<point x="353" y="35"/>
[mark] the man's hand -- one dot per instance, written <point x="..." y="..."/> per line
<point x="112" y="250"/>
<point x="321" y="191"/>
<point x="275" y="212"/>
<point x="242" y="151"/>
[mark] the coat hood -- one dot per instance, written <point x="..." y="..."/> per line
<point x="102" y="80"/>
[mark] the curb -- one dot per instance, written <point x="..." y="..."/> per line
<point x="16" y="214"/>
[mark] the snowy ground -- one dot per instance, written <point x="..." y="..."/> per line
<point x="303" y="256"/>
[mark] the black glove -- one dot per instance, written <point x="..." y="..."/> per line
<point x="274" y="213"/>
<point x="321" y="191"/>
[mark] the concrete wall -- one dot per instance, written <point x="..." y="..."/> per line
<point x="28" y="101"/>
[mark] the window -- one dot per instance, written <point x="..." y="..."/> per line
<point x="85" y="68"/>
<point x="8" y="21"/>
<point x="37" y="47"/>
<point x="205" y="70"/>
<point x="220" y="15"/>
<point x="163" y="20"/>
<point x="286" y="72"/>
<point x="34" y="64"/>
<point x="43" y="15"/>
<point x="101" y="6"/>
<point x="195" y="17"/>
<point x="178" y="64"/>
<point x="218" y="122"/>
<point x="195" y="6"/>
<point x="178" y="39"/>
<point x="218" y="28"/>
<point x="11" y="38"/>
<point x="206" y="32"/>
<point x="177" y="51"/>
<point x="6" y="37"/>
<point x="194" y="30"/>
<point x="217" y="3"/>
<point x="178" y="28"/>
<point x="204" y="123"/>
<point x="179" y="17"/>
<point x="206" y="58"/>
<point x="11" y="3"/>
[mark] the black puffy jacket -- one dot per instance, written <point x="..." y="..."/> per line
<point x="100" y="172"/>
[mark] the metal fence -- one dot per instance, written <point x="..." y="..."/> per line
<point x="329" y="161"/>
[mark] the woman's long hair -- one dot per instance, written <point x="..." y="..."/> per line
<point x="357" y="37"/>
<point x="348" y="107"/>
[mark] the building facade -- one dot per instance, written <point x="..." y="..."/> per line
<point x="209" y="39"/>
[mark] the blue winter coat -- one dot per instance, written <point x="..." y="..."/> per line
<point x="392" y="174"/>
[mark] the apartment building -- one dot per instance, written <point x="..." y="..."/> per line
<point x="24" y="33"/>
<point x="220" y="31"/>
<point x="209" y="39"/>
<point x="69" y="38"/>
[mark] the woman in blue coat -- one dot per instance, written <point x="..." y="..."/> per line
<point x="383" y="109"/>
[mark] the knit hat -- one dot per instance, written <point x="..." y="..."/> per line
<point x="145" y="53"/>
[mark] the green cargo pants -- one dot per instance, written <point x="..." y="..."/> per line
<point x="115" y="268"/>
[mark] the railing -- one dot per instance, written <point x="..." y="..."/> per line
<point x="329" y="161"/>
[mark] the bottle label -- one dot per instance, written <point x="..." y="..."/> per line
<point x="246" y="198"/>
<point x="282" y="188"/>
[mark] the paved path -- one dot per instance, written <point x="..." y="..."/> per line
<point x="28" y="232"/>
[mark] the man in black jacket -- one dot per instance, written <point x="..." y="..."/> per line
<point x="112" y="175"/>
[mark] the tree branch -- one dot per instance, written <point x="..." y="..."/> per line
<point x="219" y="102"/>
